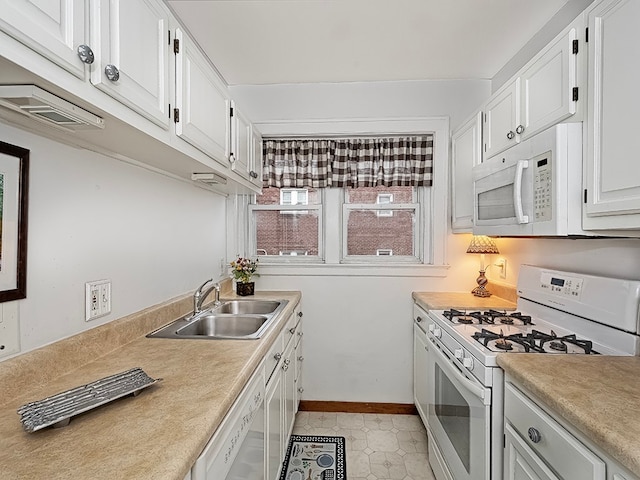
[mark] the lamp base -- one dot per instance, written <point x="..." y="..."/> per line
<point x="480" y="290"/>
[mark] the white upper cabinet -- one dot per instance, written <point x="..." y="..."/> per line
<point x="255" y="165"/>
<point x="545" y="92"/>
<point x="131" y="41"/>
<point x="53" y="28"/>
<point x="466" y="153"/>
<point x="202" y="102"/>
<point x="612" y="173"/>
<point x="240" y="143"/>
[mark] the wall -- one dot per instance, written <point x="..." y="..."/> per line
<point x="93" y="217"/>
<point x="358" y="328"/>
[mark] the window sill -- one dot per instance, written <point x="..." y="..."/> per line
<point x="354" y="270"/>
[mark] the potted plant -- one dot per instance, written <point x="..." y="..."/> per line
<point x="242" y="270"/>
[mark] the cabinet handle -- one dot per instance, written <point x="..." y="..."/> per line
<point x="519" y="129"/>
<point x="418" y="319"/>
<point x="86" y="54"/>
<point x="534" y="435"/>
<point x="277" y="357"/>
<point x="300" y="390"/>
<point x="253" y="174"/>
<point x="300" y="334"/>
<point x="511" y="135"/>
<point x="292" y="330"/>
<point x="232" y="158"/>
<point x="300" y="314"/>
<point x="112" y="72"/>
<point x="300" y="358"/>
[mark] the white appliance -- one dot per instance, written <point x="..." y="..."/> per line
<point x="558" y="313"/>
<point x="534" y="188"/>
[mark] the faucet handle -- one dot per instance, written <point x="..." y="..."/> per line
<point x="199" y="289"/>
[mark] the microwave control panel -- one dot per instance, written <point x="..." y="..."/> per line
<point x="542" y="189"/>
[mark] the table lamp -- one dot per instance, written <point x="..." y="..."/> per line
<point x="482" y="244"/>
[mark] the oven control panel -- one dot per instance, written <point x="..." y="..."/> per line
<point x="561" y="284"/>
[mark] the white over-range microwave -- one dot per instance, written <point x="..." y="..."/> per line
<point x="534" y="188"/>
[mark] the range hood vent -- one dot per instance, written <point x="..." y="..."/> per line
<point x="209" y="178"/>
<point x="46" y="107"/>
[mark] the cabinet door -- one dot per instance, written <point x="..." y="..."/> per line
<point x="131" y="42"/>
<point x="501" y="117"/>
<point x="466" y="153"/>
<point x="420" y="389"/>
<point x="520" y="462"/>
<point x="612" y="176"/>
<point x="202" y="102"/>
<point x="546" y="96"/>
<point x="53" y="28"/>
<point x="255" y="166"/>
<point x="273" y="426"/>
<point x="289" y="372"/>
<point x="241" y="147"/>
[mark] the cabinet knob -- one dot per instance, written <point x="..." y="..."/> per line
<point x="112" y="72"/>
<point x="418" y="319"/>
<point x="300" y="390"/>
<point x="292" y="330"/>
<point x="300" y="314"/>
<point x="253" y="174"/>
<point x="534" y="435"/>
<point x="300" y="334"/>
<point x="232" y="157"/>
<point x="519" y="129"/>
<point x="86" y="54"/>
<point x="511" y="135"/>
<point x="277" y="357"/>
<point x="300" y="358"/>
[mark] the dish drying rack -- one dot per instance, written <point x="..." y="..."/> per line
<point x="58" y="409"/>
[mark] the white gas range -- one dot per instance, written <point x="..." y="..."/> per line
<point x="558" y="313"/>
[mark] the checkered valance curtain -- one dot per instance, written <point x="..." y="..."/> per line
<point x="357" y="162"/>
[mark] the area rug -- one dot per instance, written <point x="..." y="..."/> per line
<point x="312" y="457"/>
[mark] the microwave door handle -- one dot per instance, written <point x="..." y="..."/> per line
<point x="517" y="191"/>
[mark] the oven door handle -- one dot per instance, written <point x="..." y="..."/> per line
<point x="472" y="386"/>
<point x="517" y="191"/>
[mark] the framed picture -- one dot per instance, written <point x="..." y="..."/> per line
<point x="14" y="196"/>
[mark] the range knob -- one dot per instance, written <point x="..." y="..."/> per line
<point x="459" y="353"/>
<point x="437" y="332"/>
<point x="431" y="327"/>
<point x="467" y="363"/>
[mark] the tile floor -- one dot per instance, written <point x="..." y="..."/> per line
<point x="379" y="447"/>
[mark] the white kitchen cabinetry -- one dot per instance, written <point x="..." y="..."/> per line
<point x="466" y="153"/>
<point x="53" y="28"/>
<point x="241" y="143"/>
<point x="274" y="426"/>
<point x="130" y="39"/>
<point x="202" y="103"/>
<point x="545" y="92"/>
<point x="255" y="165"/>
<point x="420" y="358"/>
<point x="612" y="175"/>
<point x="537" y="446"/>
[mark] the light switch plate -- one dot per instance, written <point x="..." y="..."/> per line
<point x="97" y="299"/>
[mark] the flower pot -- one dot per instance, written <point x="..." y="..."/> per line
<point x="244" y="289"/>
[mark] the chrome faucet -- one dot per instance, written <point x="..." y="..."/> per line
<point x="199" y="296"/>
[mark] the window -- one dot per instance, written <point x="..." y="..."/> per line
<point x="380" y="221"/>
<point x="286" y="223"/>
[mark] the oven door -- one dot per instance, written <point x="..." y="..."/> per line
<point x="459" y="417"/>
<point x="503" y="197"/>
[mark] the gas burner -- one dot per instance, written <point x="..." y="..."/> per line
<point x="504" y="342"/>
<point x="456" y="316"/>
<point x="508" y="318"/>
<point x="559" y="344"/>
<point x="466" y="319"/>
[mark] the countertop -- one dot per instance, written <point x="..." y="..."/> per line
<point x="460" y="301"/>
<point x="155" y="435"/>
<point x="599" y="395"/>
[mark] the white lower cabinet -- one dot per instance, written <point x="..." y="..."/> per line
<point x="537" y="446"/>
<point x="274" y="435"/>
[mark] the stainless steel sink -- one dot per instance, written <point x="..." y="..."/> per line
<point x="233" y="319"/>
<point x="224" y="326"/>
<point x="239" y="307"/>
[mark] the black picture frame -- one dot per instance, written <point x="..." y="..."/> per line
<point x="14" y="200"/>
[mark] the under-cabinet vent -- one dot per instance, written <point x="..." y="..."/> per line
<point x="209" y="178"/>
<point x="46" y="107"/>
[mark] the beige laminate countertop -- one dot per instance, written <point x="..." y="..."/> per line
<point x="460" y="301"/>
<point x="155" y="435"/>
<point x="599" y="395"/>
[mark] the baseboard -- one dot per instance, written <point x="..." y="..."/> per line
<point x="357" y="407"/>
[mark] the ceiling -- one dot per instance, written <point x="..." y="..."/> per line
<point x="257" y="42"/>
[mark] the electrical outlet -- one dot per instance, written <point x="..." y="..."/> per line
<point x="502" y="266"/>
<point x="97" y="299"/>
<point x="223" y="267"/>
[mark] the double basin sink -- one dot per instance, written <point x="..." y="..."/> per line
<point x="233" y="319"/>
